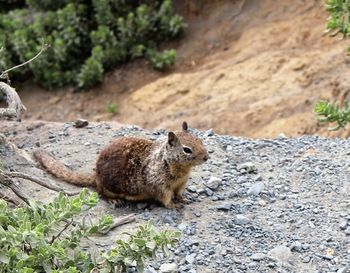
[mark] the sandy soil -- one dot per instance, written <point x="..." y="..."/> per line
<point x="250" y="68"/>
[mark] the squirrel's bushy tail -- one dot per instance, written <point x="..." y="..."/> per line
<point x="60" y="171"/>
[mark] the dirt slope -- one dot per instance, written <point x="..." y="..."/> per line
<point x="252" y="68"/>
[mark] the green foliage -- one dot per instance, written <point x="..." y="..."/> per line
<point x="328" y="112"/>
<point x="143" y="244"/>
<point x="45" y="238"/>
<point x="112" y="108"/>
<point x="162" y="60"/>
<point x="338" y="22"/>
<point x="339" y="19"/>
<point x="120" y="30"/>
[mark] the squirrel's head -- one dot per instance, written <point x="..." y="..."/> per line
<point x="184" y="148"/>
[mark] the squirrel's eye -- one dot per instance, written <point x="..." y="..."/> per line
<point x="187" y="150"/>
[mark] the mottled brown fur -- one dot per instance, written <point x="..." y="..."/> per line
<point x="138" y="169"/>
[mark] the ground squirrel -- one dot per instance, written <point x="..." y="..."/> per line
<point x="138" y="169"/>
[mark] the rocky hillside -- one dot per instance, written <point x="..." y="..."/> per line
<point x="269" y="205"/>
<point x="250" y="68"/>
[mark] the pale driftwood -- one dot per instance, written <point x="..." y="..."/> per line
<point x="15" y="107"/>
<point x="39" y="182"/>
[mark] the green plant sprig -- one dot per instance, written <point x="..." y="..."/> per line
<point x="328" y="112"/>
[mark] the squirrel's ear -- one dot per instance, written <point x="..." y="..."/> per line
<point x="184" y="126"/>
<point x="172" y="139"/>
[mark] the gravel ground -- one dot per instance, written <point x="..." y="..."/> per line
<point x="268" y="205"/>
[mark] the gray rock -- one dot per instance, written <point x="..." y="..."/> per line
<point x="280" y="253"/>
<point x="241" y="220"/>
<point x="296" y="246"/>
<point x="247" y="167"/>
<point x="258" y="257"/>
<point x="224" y="206"/>
<point x="213" y="183"/>
<point x="168" y="268"/>
<point x="182" y="226"/>
<point x="343" y="270"/>
<point x="167" y="219"/>
<point x="192" y="188"/>
<point x="306" y="259"/>
<point x="343" y="224"/>
<point x="191" y="258"/>
<point x="209" y="192"/>
<point x="256" y="189"/>
<point x="347" y="231"/>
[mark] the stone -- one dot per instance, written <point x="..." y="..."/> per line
<point x="347" y="231"/>
<point x="247" y="167"/>
<point x="224" y="206"/>
<point x="213" y="183"/>
<point x="80" y="123"/>
<point x="296" y="246"/>
<point x="280" y="253"/>
<point x="192" y="188"/>
<point x="258" y="257"/>
<point x="191" y="258"/>
<point x="241" y="220"/>
<point x="343" y="224"/>
<point x="168" y="268"/>
<point x="256" y="189"/>
<point x="342" y="270"/>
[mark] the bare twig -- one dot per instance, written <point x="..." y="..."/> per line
<point x="61" y="231"/>
<point x="4" y="74"/>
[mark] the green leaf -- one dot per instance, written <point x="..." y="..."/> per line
<point x="3" y="258"/>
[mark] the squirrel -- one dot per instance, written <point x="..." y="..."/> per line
<point x="138" y="169"/>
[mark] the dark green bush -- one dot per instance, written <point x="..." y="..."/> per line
<point x="162" y="60"/>
<point x="119" y="30"/>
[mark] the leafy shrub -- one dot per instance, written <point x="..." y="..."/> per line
<point x="331" y="113"/>
<point x="45" y="238"/>
<point x="162" y="60"/>
<point x="338" y="22"/>
<point x="339" y="19"/>
<point x="122" y="30"/>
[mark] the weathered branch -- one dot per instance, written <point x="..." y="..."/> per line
<point x="15" y="106"/>
<point x="39" y="182"/>
<point x="7" y="182"/>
